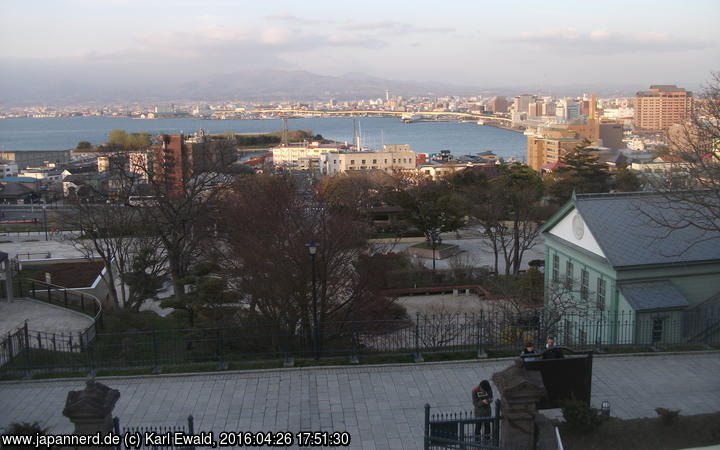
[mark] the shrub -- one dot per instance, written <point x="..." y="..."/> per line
<point x="668" y="416"/>
<point x="24" y="429"/>
<point x="580" y="416"/>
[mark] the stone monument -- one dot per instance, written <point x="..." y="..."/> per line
<point x="90" y="409"/>
<point x="520" y="390"/>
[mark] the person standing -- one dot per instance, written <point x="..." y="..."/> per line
<point x="550" y="343"/>
<point x="551" y="352"/>
<point x="529" y="352"/>
<point x="482" y="397"/>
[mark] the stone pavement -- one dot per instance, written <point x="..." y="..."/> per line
<point x="40" y="316"/>
<point x="381" y="406"/>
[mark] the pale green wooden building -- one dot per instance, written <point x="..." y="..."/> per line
<point x="635" y="281"/>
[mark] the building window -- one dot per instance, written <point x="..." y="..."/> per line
<point x="569" y="273"/>
<point x="362" y="162"/>
<point x="584" y="284"/>
<point x="374" y="161"/>
<point x="556" y="268"/>
<point x="386" y="161"/>
<point x="601" y="294"/>
<point x="352" y="161"/>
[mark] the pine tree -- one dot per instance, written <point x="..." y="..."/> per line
<point x="580" y="171"/>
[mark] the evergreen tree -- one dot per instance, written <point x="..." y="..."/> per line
<point x="580" y="171"/>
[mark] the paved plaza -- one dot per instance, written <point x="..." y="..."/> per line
<point x="40" y="316"/>
<point x="381" y="406"/>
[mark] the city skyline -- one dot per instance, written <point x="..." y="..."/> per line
<point x="126" y="46"/>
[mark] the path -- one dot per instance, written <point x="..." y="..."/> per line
<point x="41" y="316"/>
<point x="381" y="406"/>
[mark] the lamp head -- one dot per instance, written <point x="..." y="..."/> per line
<point x="312" y="247"/>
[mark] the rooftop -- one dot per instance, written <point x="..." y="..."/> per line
<point x="627" y="228"/>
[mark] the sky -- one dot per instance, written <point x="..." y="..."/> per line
<point x="471" y="43"/>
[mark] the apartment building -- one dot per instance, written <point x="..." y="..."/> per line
<point x="392" y="158"/>
<point x="291" y="154"/>
<point x="660" y="107"/>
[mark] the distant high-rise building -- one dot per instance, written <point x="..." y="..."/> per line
<point x="661" y="106"/>
<point x="499" y="105"/>
<point x="172" y="163"/>
<point x="566" y="110"/>
<point x="547" y="108"/>
<point x="178" y="158"/>
<point x="534" y="109"/>
<point x="522" y="102"/>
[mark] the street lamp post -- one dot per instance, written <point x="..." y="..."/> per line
<point x="45" y="222"/>
<point x="435" y="240"/>
<point x="312" y="249"/>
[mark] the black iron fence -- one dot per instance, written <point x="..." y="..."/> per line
<point x="462" y="430"/>
<point x="366" y="341"/>
<point x="23" y="342"/>
<point x="141" y="432"/>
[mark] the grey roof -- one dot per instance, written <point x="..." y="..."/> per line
<point x="653" y="295"/>
<point x="12" y="190"/>
<point x="623" y="226"/>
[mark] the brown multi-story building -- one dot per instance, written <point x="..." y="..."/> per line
<point x="179" y="158"/>
<point x="547" y="147"/>
<point x="611" y="134"/>
<point x="499" y="105"/>
<point x="660" y="107"/>
<point x="172" y="163"/>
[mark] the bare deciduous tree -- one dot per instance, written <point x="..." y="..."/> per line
<point x="692" y="188"/>
<point x="268" y="222"/>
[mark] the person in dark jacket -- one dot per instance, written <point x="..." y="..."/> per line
<point x="482" y="397"/>
<point x="529" y="352"/>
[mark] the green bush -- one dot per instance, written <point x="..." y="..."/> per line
<point x="24" y="429"/>
<point x="668" y="416"/>
<point x="580" y="416"/>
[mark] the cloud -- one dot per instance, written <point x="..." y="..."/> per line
<point x="604" y="42"/>
<point x="392" y="27"/>
<point x="291" y="18"/>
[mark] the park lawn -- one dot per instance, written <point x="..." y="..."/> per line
<point x="647" y="434"/>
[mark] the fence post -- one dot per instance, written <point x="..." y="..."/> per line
<point x="49" y="295"/>
<point x="33" y="289"/>
<point x="65" y="295"/>
<point x="427" y="426"/>
<point x="156" y="367"/>
<point x="496" y="423"/>
<point x="10" y="347"/>
<point x="27" y="349"/>
<point x="219" y="350"/>
<point x="191" y="428"/>
<point x="91" y="350"/>
<point x="481" y="354"/>
<point x="461" y="434"/>
<point x="418" y="356"/>
<point x="26" y="333"/>
<point x="116" y="429"/>
<point x="354" y="356"/>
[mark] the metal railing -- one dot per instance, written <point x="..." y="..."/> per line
<point x="19" y="344"/>
<point x="157" y="430"/>
<point x="367" y="341"/>
<point x="462" y="430"/>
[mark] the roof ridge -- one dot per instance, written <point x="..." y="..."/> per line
<point x="618" y="194"/>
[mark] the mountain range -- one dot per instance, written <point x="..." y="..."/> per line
<point x="50" y="88"/>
